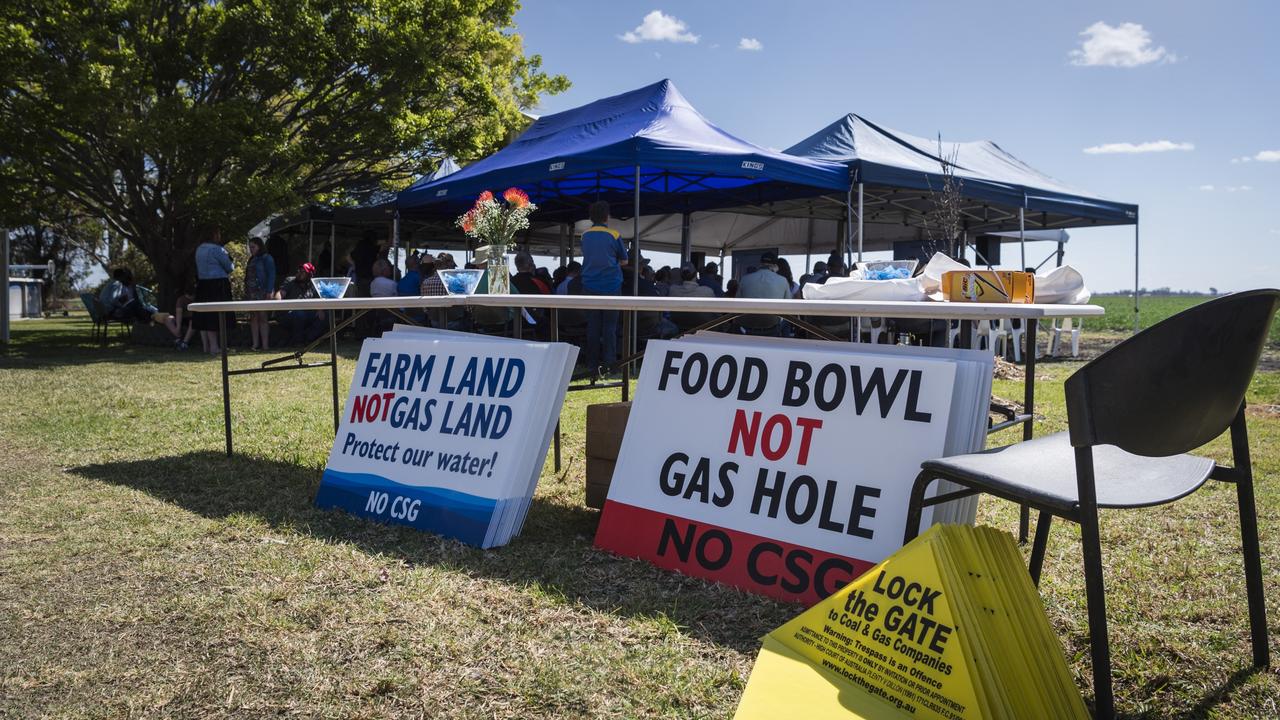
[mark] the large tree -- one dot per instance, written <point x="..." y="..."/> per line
<point x="159" y="116"/>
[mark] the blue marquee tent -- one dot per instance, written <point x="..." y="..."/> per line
<point x="684" y="163"/>
<point x="880" y="157"/>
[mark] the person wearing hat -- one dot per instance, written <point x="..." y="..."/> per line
<point x="303" y="326"/>
<point x="432" y="285"/>
<point x="765" y="284"/>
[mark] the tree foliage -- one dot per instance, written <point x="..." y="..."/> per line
<point x="159" y="116"/>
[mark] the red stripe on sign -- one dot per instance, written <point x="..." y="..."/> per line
<point x="781" y="570"/>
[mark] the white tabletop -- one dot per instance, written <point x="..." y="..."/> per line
<point x="928" y="310"/>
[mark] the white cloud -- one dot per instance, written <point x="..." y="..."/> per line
<point x="750" y="44"/>
<point x="1263" y="156"/>
<point x="1275" y="231"/>
<point x="1144" y="147"/>
<point x="659" y="27"/>
<point x="1238" y="188"/>
<point x="1207" y="188"/>
<point x="1124" y="45"/>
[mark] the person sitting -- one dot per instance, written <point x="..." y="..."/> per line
<point x="429" y="268"/>
<point x="382" y="285"/>
<point x="662" y="280"/>
<point x="764" y="284"/>
<point x="525" y="281"/>
<point x="411" y="283"/>
<point x="689" y="287"/>
<point x="303" y="326"/>
<point x="817" y="277"/>
<point x="572" y="272"/>
<point x="120" y="299"/>
<point x="182" y="316"/>
<point x="541" y="274"/>
<point x="711" y="278"/>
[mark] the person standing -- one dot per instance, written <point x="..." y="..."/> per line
<point x="213" y="284"/>
<point x="259" y="284"/>
<point x="603" y="257"/>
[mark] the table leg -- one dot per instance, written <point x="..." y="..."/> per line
<point x="1029" y="407"/>
<point x="553" y="317"/>
<point x="226" y="379"/>
<point x="627" y="318"/>
<point x="333" y="369"/>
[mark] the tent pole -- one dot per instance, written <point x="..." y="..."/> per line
<point x="395" y="241"/>
<point x="859" y="222"/>
<point x="333" y="250"/>
<point x="808" y="250"/>
<point x="686" y="242"/>
<point x="1022" y="236"/>
<point x="4" y="292"/>
<point x="1136" y="325"/>
<point x="847" y="235"/>
<point x="311" y="238"/>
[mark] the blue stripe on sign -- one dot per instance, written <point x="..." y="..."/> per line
<point x="444" y="512"/>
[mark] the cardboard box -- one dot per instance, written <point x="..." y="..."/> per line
<point x="986" y="286"/>
<point x="599" y="475"/>
<point x="606" y="423"/>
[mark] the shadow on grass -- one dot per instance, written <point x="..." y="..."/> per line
<point x="68" y="342"/>
<point x="1202" y="709"/>
<point x="553" y="555"/>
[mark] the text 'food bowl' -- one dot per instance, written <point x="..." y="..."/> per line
<point x="460" y="281"/>
<point x="331" y="287"/>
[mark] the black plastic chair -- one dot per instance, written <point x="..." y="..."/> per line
<point x="1133" y="413"/>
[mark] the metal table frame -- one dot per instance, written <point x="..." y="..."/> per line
<point x="725" y="309"/>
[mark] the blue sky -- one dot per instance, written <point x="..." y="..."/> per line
<point x="1045" y="80"/>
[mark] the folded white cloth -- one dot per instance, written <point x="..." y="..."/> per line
<point x="853" y="288"/>
<point x="1062" y="285"/>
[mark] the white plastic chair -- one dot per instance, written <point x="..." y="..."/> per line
<point x="1066" y="326"/>
<point x="873" y="328"/>
<point x="985" y="335"/>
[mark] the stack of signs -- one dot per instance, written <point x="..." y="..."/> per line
<point x="447" y="432"/>
<point x="948" y="627"/>
<point x="784" y="467"/>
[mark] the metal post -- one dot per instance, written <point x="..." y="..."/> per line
<point x="395" y="241"/>
<point x="847" y="231"/>
<point x="859" y="222"/>
<point x="4" y="292"/>
<point x="226" y="380"/>
<point x="311" y="238"/>
<point x="333" y="368"/>
<point x="633" y="340"/>
<point x="564" y="253"/>
<point x="1022" y="236"/>
<point x="686" y="242"/>
<point x="1136" y="324"/>
<point x="1031" y="325"/>
<point x="333" y="250"/>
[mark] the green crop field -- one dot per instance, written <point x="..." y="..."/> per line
<point x="144" y="574"/>
<point x="1151" y="310"/>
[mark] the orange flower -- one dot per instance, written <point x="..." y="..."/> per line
<point x="485" y="197"/>
<point x="516" y="197"/>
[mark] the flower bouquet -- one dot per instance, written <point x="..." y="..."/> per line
<point x="495" y="222"/>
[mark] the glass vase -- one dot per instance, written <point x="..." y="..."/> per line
<point x="499" y="273"/>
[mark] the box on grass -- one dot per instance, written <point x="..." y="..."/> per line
<point x="599" y="475"/>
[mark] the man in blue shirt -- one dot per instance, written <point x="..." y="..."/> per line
<point x="411" y="282"/>
<point x="603" y="257"/>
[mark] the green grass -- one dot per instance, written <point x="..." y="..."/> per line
<point x="145" y="574"/>
<point x="1151" y="310"/>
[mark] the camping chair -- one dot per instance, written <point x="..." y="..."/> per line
<point x="1133" y="413"/>
<point x="1069" y="327"/>
<point x="102" y="320"/>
